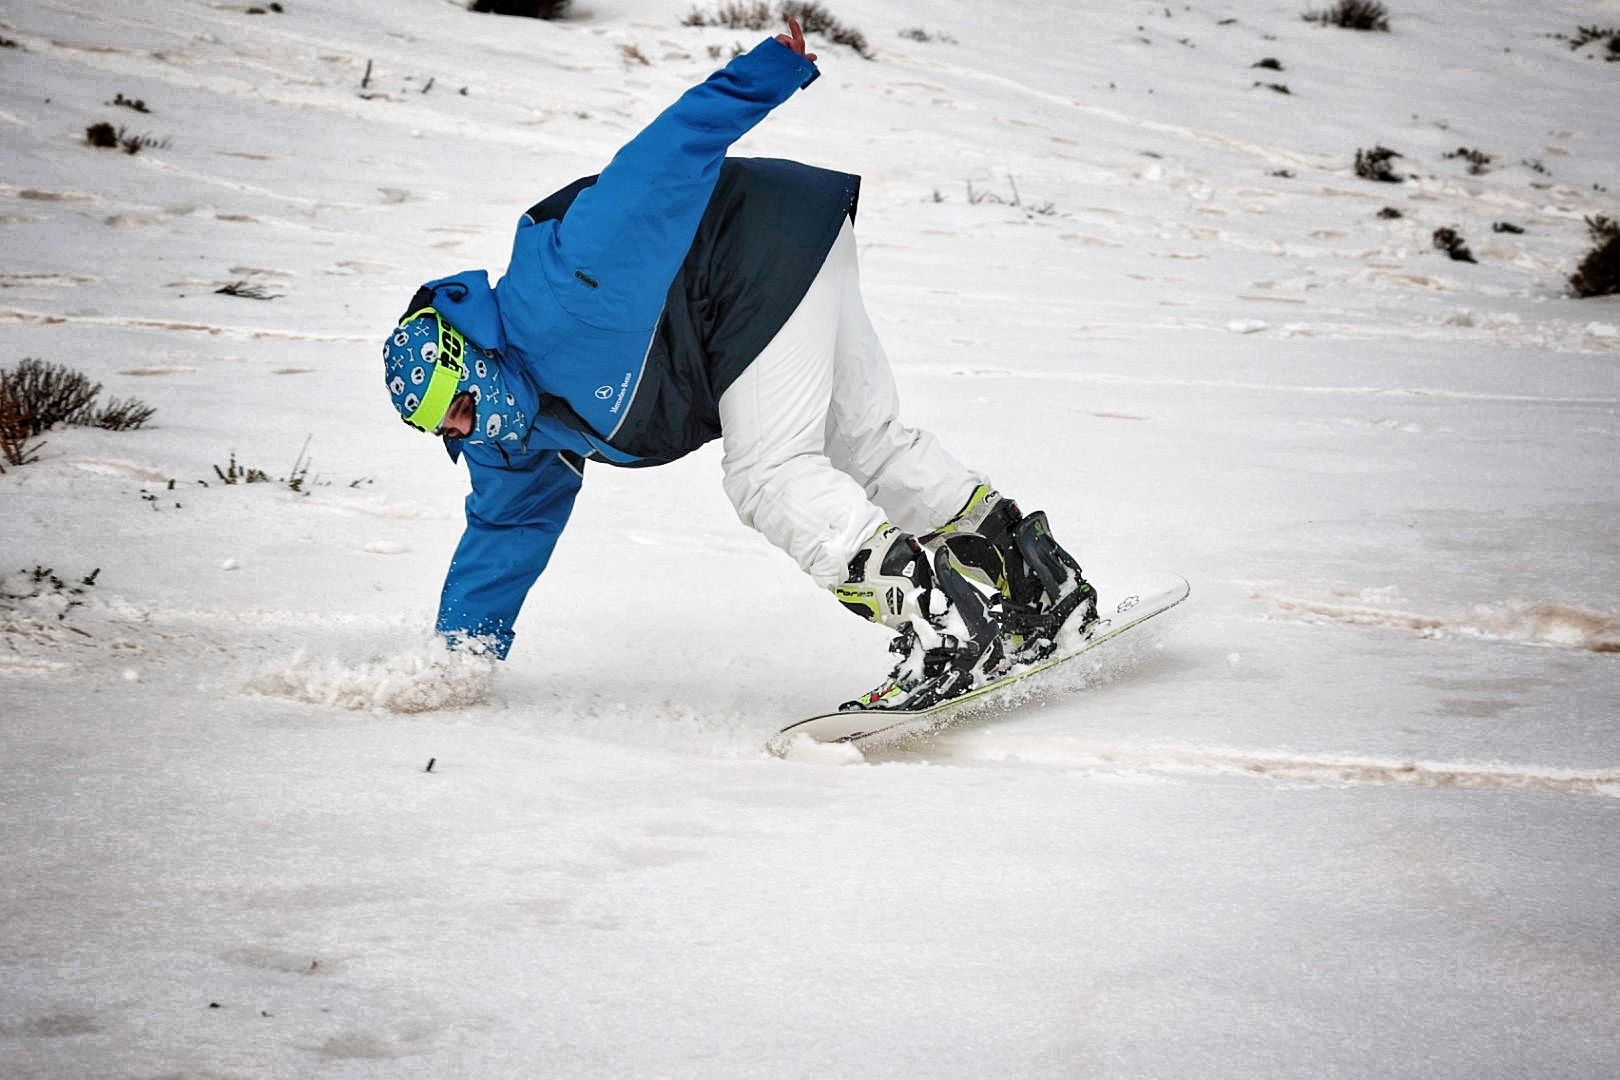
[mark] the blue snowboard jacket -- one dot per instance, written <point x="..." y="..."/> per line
<point x="631" y="301"/>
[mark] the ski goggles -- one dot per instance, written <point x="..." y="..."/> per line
<point x="449" y="368"/>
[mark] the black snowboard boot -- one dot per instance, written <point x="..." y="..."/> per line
<point x="949" y="631"/>
<point x="1043" y="589"/>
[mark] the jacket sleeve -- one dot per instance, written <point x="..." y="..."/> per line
<point x="514" y="516"/>
<point x="624" y="237"/>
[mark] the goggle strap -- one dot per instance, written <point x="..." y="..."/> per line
<point x="449" y="367"/>
<point x="441" y="390"/>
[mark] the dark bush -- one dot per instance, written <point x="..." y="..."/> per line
<point x="121" y="415"/>
<point x="1599" y="271"/>
<point x="15" y="448"/>
<point x="1585" y="35"/>
<point x="247" y="291"/>
<point x="1390" y="213"/>
<point x="917" y="33"/>
<point x="1449" y="242"/>
<point x="106" y="136"/>
<point x="103" y="135"/>
<point x="36" y="396"/>
<point x="733" y="16"/>
<point x="1477" y="159"/>
<point x="43" y="395"/>
<point x="1353" y="15"/>
<point x="528" y="9"/>
<point x="813" y="18"/>
<point x="818" y="20"/>
<point x="1374" y="164"/>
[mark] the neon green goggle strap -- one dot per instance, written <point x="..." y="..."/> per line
<point x="449" y="369"/>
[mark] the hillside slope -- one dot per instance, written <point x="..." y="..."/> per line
<point x="1354" y="811"/>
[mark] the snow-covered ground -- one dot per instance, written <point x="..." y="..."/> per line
<point x="1354" y="810"/>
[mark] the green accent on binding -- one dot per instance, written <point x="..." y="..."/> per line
<point x="955" y="525"/>
<point x="978" y="573"/>
<point x="861" y="601"/>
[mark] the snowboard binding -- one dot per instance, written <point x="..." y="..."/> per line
<point x="949" y="641"/>
<point x="1042" y="586"/>
<point x="998" y="592"/>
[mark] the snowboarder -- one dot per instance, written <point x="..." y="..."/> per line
<point x="681" y="296"/>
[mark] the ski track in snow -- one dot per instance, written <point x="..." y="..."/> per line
<point x="1127" y="760"/>
<point x="118" y="467"/>
<point x="425" y="679"/>
<point x="245" y="333"/>
<point x="1272" y="156"/>
<point x="981" y="738"/>
<point x="116" y="212"/>
<point x="1113" y="379"/>
<point x="1548" y="625"/>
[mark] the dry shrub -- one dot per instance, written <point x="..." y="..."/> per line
<point x="917" y="33"/>
<point x="1448" y="241"/>
<point x="106" y="136"/>
<point x="528" y="9"/>
<point x="1585" y="35"/>
<point x="1353" y="15"/>
<point x="1599" y="271"/>
<point x="1478" y="160"/>
<point x="16" y="447"/>
<point x="733" y="16"/>
<point x="757" y="15"/>
<point x="36" y="396"/>
<point x="1375" y="164"/>
<point x="818" y="20"/>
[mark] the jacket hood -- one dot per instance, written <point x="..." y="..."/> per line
<point x="467" y="302"/>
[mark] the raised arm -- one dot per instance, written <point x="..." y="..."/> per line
<point x="624" y="237"/>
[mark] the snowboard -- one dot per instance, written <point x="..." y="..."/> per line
<point x="1141" y="599"/>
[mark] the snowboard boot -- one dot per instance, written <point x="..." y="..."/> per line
<point x="992" y="542"/>
<point x="948" y="631"/>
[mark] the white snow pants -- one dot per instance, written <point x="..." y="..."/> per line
<point x="815" y="456"/>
